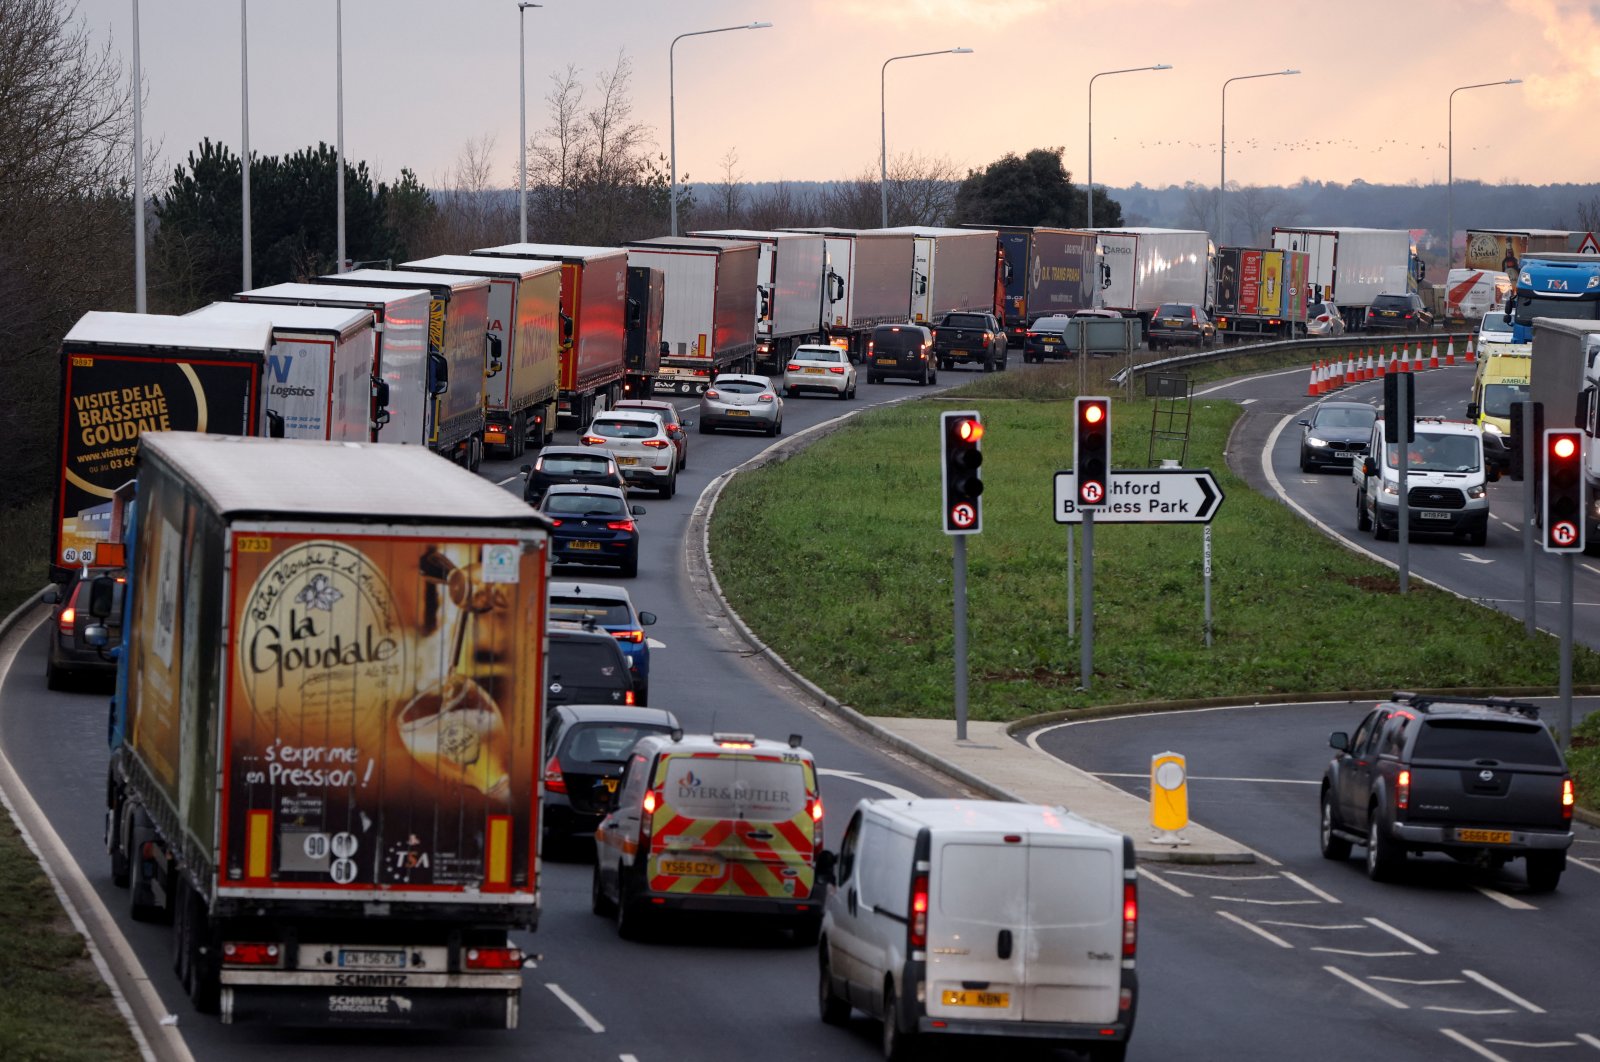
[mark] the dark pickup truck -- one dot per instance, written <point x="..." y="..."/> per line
<point x="964" y="338"/>
<point x="1479" y="779"/>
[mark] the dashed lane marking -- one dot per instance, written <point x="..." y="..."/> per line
<point x="1365" y="954"/>
<point x="1257" y="930"/>
<point x="1531" y="1043"/>
<point x="1592" y="1041"/>
<point x="1368" y="989"/>
<point x="1422" y="982"/>
<point x="1501" y="990"/>
<point x="1212" y="778"/>
<point x="1312" y="889"/>
<point x="1222" y="877"/>
<point x="627" y="1058"/>
<point x="576" y="1008"/>
<point x="1165" y="884"/>
<point x="1468" y="1010"/>
<point x="1590" y="568"/>
<point x="508" y="479"/>
<point x="1578" y="861"/>
<point x="872" y="783"/>
<point x="1264" y="903"/>
<point x="1308" y="925"/>
<point x="1474" y="1046"/>
<point x="1407" y="937"/>
<point x="1505" y="901"/>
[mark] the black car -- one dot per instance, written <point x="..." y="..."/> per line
<point x="969" y="338"/>
<point x="1400" y="313"/>
<point x="901" y="351"/>
<point x="586" y="667"/>
<point x="1047" y="338"/>
<point x="1180" y="322"/>
<point x="569" y="464"/>
<point x="586" y="746"/>
<point x="1336" y="433"/>
<point x="593" y="525"/>
<point x="69" y="660"/>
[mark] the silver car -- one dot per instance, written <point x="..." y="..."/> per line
<point x="815" y="367"/>
<point x="1324" y="319"/>
<point x="740" y="401"/>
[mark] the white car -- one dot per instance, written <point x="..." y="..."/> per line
<point x="816" y="367"/>
<point x="1494" y="328"/>
<point x="645" y="452"/>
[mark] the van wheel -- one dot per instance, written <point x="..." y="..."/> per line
<point x="1478" y="535"/>
<point x="834" y="1010"/>
<point x="1109" y="1052"/>
<point x="631" y="923"/>
<point x="1333" y="846"/>
<point x="1363" y="522"/>
<point x="599" y="902"/>
<point x="897" y="1044"/>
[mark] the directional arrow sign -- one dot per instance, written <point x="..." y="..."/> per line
<point x="1146" y="496"/>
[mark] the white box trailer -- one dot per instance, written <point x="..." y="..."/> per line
<point x="319" y="380"/>
<point x="707" y="324"/>
<point x="952" y="270"/>
<point x="869" y="272"/>
<point x="400" y="360"/>
<point x="1352" y="266"/>
<point x="1146" y="267"/>
<point x="791" y="300"/>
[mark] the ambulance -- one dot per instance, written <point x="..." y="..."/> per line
<point x="722" y="823"/>
<point x="1502" y="378"/>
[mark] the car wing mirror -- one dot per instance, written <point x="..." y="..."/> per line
<point x="1472" y="411"/>
<point x="1339" y="740"/>
<point x="51" y="595"/>
<point x="647" y="619"/>
<point x="686" y="423"/>
<point x="102" y="596"/>
<point x="827" y="866"/>
<point x="1303" y="422"/>
<point x="636" y="510"/>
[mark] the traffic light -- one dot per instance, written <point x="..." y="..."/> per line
<point x="1091" y="457"/>
<point x="1399" y="408"/>
<point x="961" y="455"/>
<point x="1562" y="509"/>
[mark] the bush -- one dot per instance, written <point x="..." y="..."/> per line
<point x="1583" y="760"/>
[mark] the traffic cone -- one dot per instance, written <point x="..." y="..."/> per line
<point x="1322" y="378"/>
<point x="1471" y="357"/>
<point x="1349" y="370"/>
<point x="1433" y="356"/>
<point x="1383" y="365"/>
<point x="1450" y="352"/>
<point x="1372" y="370"/>
<point x="1405" y="359"/>
<point x="1394" y="362"/>
<point x="1311" y="384"/>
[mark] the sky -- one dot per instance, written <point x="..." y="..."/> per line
<point x="799" y="101"/>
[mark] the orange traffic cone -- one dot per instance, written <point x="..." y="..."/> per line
<point x="1433" y="356"/>
<point x="1349" y="370"/>
<point x="1372" y="370"/>
<point x="1311" y="384"/>
<point x="1471" y="357"/>
<point x="1450" y="352"/>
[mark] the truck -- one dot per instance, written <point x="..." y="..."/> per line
<point x="319" y="381"/>
<point x="461" y="352"/>
<point x="404" y="373"/>
<point x="952" y="271"/>
<point x="524" y="315"/>
<point x="325" y="734"/>
<point x="126" y="374"/>
<point x="1566" y="379"/>
<point x="1044" y="272"/>
<point x="868" y="273"/>
<point x="1557" y="285"/>
<point x="594" y="285"/>
<point x="646" y="305"/>
<point x="1146" y="267"/>
<point x="791" y="291"/>
<point x="1260" y="291"/>
<point x="1353" y="266"/>
<point x="1500" y="250"/>
<point x="707" y="324"/>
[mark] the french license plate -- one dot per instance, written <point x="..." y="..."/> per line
<point x="1345" y="453"/>
<point x="387" y="960"/>
<point x="815" y="372"/>
<point x="1484" y="836"/>
<point x="691" y="868"/>
<point x="627" y="460"/>
<point x="667" y="370"/>
<point x="1431" y="514"/>
<point x="738" y="412"/>
<point x="968" y="998"/>
<point x="583" y="544"/>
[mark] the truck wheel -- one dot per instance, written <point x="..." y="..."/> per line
<point x="833" y="1009"/>
<point x="1333" y="846"/>
<point x="599" y="902"/>
<point x="1544" y="870"/>
<point x="143" y="906"/>
<point x="204" y="973"/>
<point x="114" y="837"/>
<point x="1384" y="858"/>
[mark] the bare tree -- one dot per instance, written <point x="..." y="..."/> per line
<point x="780" y="206"/>
<point x="922" y="189"/>
<point x="1589" y="214"/>
<point x="730" y="193"/>
<point x="473" y="211"/>
<point x="1255" y="210"/>
<point x="558" y="153"/>
<point x="1200" y="207"/>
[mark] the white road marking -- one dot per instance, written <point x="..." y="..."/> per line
<point x="1302" y="370"/>
<point x="1407" y="937"/>
<point x="1474" y="1046"/>
<point x="1185" y="893"/>
<point x="1505" y="901"/>
<point x="1368" y="989"/>
<point x="1592" y="1041"/>
<point x="1257" y="930"/>
<point x="576" y="1007"/>
<point x="627" y="1058"/>
<point x="1312" y="889"/>
<point x="1501" y="990"/>
<point x="1308" y="925"/>
<point x="872" y="783"/>
<point x="1213" y="778"/>
<point x="1590" y="567"/>
<point x="1246" y="401"/>
<point x="1577" y="861"/>
<point x="1366" y="954"/>
<point x="1532" y="1043"/>
<point x="1222" y="877"/>
<point x="508" y="479"/>
<point x="1475" y="560"/>
<point x="1263" y="903"/>
<point x="1424" y="983"/>
<point x="1469" y="1010"/>
<point x="652" y="643"/>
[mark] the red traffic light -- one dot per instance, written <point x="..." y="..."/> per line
<point x="1093" y="412"/>
<point x="970" y="430"/>
<point x="1563" y="446"/>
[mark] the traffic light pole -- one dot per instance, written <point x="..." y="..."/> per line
<point x="961" y="635"/>
<point x="1403" y="524"/>
<point x="1086" y="659"/>
<point x="1530" y="504"/>
<point x="1567" y="574"/>
<point x="1072" y="592"/>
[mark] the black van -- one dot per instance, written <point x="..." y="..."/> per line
<point x="903" y="351"/>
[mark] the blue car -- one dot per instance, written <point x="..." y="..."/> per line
<point x="596" y="606"/>
<point x="593" y="524"/>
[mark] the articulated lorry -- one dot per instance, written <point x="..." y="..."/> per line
<point x="461" y="352"/>
<point x="868" y="273"/>
<point x="1352" y="266"/>
<point x="1566" y="380"/>
<point x="326" y="732"/>
<point x="707" y="324"/>
<point x="952" y="271"/>
<point x="525" y="316"/>
<point x="594" y="286"/>
<point x="792" y="290"/>
<point x="1044" y="272"/>
<point x="125" y="374"/>
<point x="1261" y="292"/>
<point x="1561" y="286"/>
<point x="642" y="343"/>
<point x="1147" y="267"/>
<point x="319" y="381"/>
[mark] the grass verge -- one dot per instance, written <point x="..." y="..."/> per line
<point x="1583" y="760"/>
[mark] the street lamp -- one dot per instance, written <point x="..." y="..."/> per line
<point x="138" y="171"/>
<point x="1104" y="73"/>
<point x="672" y="109"/>
<point x="338" y="179"/>
<point x="883" y="120"/>
<point x="244" y="135"/>
<point x="1222" y="185"/>
<point x="1450" y="169"/>
<point x="522" y="97"/>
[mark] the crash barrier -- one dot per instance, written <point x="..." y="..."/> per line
<point x="1377" y="355"/>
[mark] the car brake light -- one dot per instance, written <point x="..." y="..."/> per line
<point x="593" y="440"/>
<point x="917" y="928"/>
<point x="764" y="398"/>
<point x="837" y="370"/>
<point x="1130" y="918"/>
<point x="554" y="781"/>
<point x="68" y="616"/>
<point x="629" y="636"/>
<point x="1402" y="790"/>
<point x="628" y="698"/>
<point x="657" y="444"/>
<point x="673" y="429"/>
<point x="711" y="393"/>
<point x="507" y="958"/>
<point x="619" y="525"/>
<point x="1568" y="796"/>
<point x="1408" y="317"/>
<point x="792" y="367"/>
<point x="251" y="954"/>
<point x="1323" y="319"/>
<point x="554" y="522"/>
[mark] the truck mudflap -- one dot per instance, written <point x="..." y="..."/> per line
<point x="371" y="1001"/>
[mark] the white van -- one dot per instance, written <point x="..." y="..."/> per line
<point x="1472" y="294"/>
<point x="984" y="918"/>
<point x="1446" y="482"/>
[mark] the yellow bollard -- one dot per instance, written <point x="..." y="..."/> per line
<point x="1169" y="797"/>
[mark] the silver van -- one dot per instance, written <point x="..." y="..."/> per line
<point x="983" y="918"/>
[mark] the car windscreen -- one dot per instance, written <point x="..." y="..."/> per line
<point x="733" y="787"/>
<point x="1340" y="417"/>
<point x="575" y="464"/>
<point x="597" y="743"/>
<point x="963" y="320"/>
<point x="1508" y="741"/>
<point x="1174" y="309"/>
<point x="1391" y="302"/>
<point x="1498" y="398"/>
<point x="580" y="609"/>
<point x="557" y="504"/>
<point x="739" y="387"/>
<point x="626" y="429"/>
<point x="575" y="663"/>
<point x="1436" y="452"/>
<point x="818" y="354"/>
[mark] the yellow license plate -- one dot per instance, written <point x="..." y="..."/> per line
<point x="583" y="545"/>
<point x="885" y="361"/>
<point x="1484" y="836"/>
<point x="1173" y="322"/>
<point x="816" y="372"/>
<point x="627" y="460"/>
<point x="969" y="998"/>
<point x="1389" y="313"/>
<point x="738" y="412"/>
<point x="958" y="353"/>
<point x="691" y="868"/>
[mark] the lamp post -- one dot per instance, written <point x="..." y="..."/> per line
<point x="244" y="134"/>
<point x="338" y="180"/>
<point x="138" y="171"/>
<point x="1450" y="169"/>
<point x="672" y="108"/>
<point x="522" y="97"/>
<point x="1104" y="73"/>
<point x="1222" y="184"/>
<point x="883" y="121"/>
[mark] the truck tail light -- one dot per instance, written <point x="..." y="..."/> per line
<point x="502" y="958"/>
<point x="240" y="953"/>
<point x="1130" y="918"/>
<point x="68" y="617"/>
<point x="1402" y="790"/>
<point x="1568" y="797"/>
<point x="917" y="928"/>
<point x="554" y="780"/>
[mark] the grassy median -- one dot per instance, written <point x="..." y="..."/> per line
<point x="835" y="559"/>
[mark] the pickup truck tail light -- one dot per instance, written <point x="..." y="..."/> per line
<point x="1568" y="797"/>
<point x="1402" y="790"/>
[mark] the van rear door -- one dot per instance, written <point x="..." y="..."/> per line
<point x="977" y="912"/>
<point x="1074" y="930"/>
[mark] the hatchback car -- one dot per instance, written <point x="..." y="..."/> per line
<point x="1402" y="313"/>
<point x="593" y="525"/>
<point x="70" y="660"/>
<point x="1495" y="328"/>
<point x="1184" y="323"/>
<point x="569" y="464"/>
<point x="586" y="747"/>
<point x="739" y="401"/>
<point x="645" y="452"/>
<point x="595" y="606"/>
<point x="677" y="427"/>
<point x="1336" y="433"/>
<point x="901" y="351"/>
<point x="585" y="667"/>
<point x="1324" y="319"/>
<point x="815" y="367"/>
<point x="1047" y="338"/>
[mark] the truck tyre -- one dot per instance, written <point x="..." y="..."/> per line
<point x="599" y="902"/>
<point x="143" y="906"/>
<point x="1333" y="846"/>
<point x="1384" y="858"/>
<point x="1363" y="522"/>
<point x="833" y="1009"/>
<point x="204" y="973"/>
<point x="1544" y="870"/>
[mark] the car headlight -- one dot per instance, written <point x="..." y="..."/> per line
<point x="1492" y="429"/>
<point x="1391" y="489"/>
<point x="1312" y="440"/>
<point x="1477" y="491"/>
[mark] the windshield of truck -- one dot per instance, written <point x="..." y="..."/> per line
<point x="1531" y="306"/>
<point x="1437" y="452"/>
<point x="1508" y="741"/>
<point x="1498" y="398"/>
<point x="963" y="320"/>
<point x="733" y="787"/>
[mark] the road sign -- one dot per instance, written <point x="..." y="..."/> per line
<point x="1588" y="245"/>
<point x="1145" y="496"/>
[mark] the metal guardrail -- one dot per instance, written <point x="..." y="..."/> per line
<point x="1240" y="350"/>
